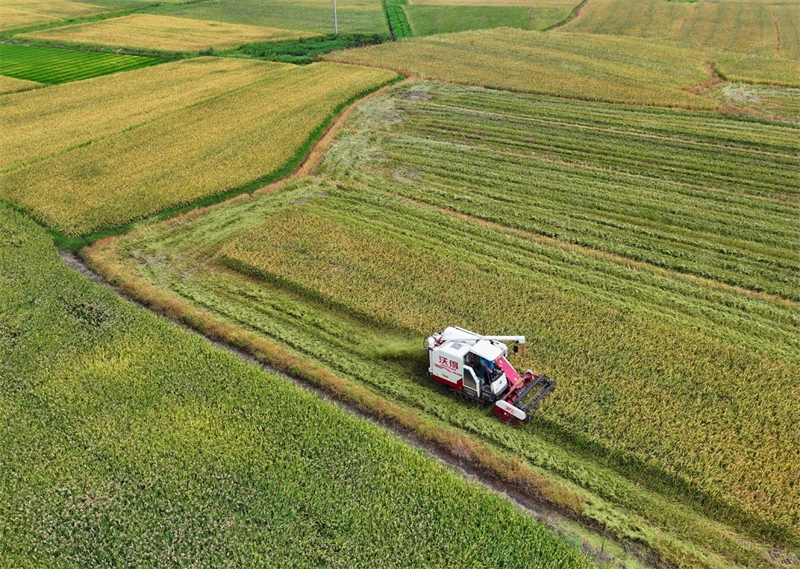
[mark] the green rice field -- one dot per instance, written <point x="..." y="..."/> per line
<point x="52" y="65"/>
<point x="372" y="252"/>
<point x="117" y="452"/>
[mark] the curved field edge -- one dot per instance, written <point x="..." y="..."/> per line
<point x="579" y="502"/>
<point x="111" y="444"/>
<point x="74" y="243"/>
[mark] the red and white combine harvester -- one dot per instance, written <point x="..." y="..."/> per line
<point x="476" y="367"/>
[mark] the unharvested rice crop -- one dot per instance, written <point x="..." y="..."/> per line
<point x="355" y="16"/>
<point x="165" y="33"/>
<point x="222" y="144"/>
<point x="674" y="375"/>
<point x="429" y="19"/>
<point x="768" y="71"/>
<point x="571" y="65"/>
<point x="769" y="30"/>
<point x="118" y="452"/>
<point x="12" y="85"/>
<point x="52" y="66"/>
<point x="25" y="13"/>
<point x="41" y="123"/>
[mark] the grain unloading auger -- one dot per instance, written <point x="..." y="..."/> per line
<point x="476" y="367"/>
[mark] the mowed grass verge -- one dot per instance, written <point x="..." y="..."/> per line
<point x="219" y="145"/>
<point x="115" y="451"/>
<point x="163" y="33"/>
<point x="52" y="66"/>
<point x="622" y="70"/>
<point x="655" y="364"/>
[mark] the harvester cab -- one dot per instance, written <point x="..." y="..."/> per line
<point x="475" y="367"/>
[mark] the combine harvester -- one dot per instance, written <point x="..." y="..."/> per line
<point x="476" y="367"/>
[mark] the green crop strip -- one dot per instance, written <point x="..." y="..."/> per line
<point x="396" y="18"/>
<point x="619" y="334"/>
<point x="113" y="447"/>
<point x="52" y="66"/>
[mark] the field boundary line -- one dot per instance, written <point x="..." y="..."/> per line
<point x="576" y="13"/>
<point x="600" y="254"/>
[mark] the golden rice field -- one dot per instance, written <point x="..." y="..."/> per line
<point x="41" y="123"/>
<point x="164" y="33"/>
<point x="12" y="85"/>
<point x="620" y="69"/>
<point x="25" y="13"/>
<point x="222" y="144"/>
<point x="768" y="30"/>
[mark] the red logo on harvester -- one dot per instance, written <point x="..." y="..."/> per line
<point x="451" y="365"/>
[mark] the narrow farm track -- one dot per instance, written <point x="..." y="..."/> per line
<point x="558" y="520"/>
<point x="777" y="34"/>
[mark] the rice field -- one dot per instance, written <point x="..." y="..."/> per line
<point x="163" y="33"/>
<point x="95" y="108"/>
<point x="11" y="85"/>
<point x="768" y="30"/>
<point x="429" y="19"/>
<point x="222" y="144"/>
<point x="52" y="66"/>
<point x="115" y="451"/>
<point x="355" y="16"/>
<point x="783" y="72"/>
<point x="623" y="70"/>
<point x="16" y="14"/>
<point x="373" y="251"/>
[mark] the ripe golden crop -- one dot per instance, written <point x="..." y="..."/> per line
<point x="221" y="144"/>
<point x="151" y="31"/>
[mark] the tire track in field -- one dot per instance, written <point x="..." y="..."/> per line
<point x="777" y="33"/>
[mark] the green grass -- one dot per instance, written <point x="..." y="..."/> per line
<point x="428" y="20"/>
<point x="52" y="66"/>
<point x="355" y="16"/>
<point x="117" y="452"/>
<point x="655" y="365"/>
<point x="304" y="51"/>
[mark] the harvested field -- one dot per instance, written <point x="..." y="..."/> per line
<point x="625" y="70"/>
<point x="164" y="33"/>
<point x="222" y="144"/>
